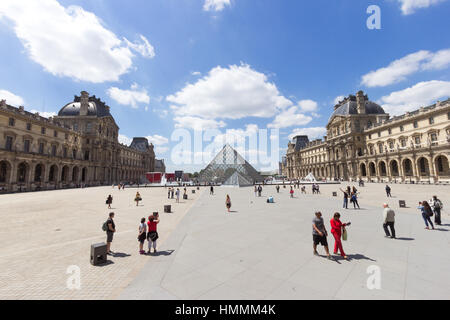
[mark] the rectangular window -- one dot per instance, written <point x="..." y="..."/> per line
<point x="402" y="129"/>
<point x="26" y="146"/>
<point x="9" y="143"/>
<point x="86" y="155"/>
<point x="54" y="151"/>
<point x="12" y="122"/>
<point x="55" y="134"/>
<point x="41" y="148"/>
<point x="403" y="143"/>
<point x="74" y="154"/>
<point x="380" y="148"/>
<point x="391" y="145"/>
<point x="66" y="136"/>
<point x="416" y="124"/>
<point x="379" y="134"/>
<point x="43" y="130"/>
<point x="390" y="131"/>
<point x="417" y="140"/>
<point x="29" y="126"/>
<point x="448" y="115"/>
<point x="65" y="152"/>
<point x="431" y="120"/>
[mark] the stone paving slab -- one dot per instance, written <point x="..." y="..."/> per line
<point x="264" y="251"/>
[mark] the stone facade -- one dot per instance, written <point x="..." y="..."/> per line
<point x="363" y="142"/>
<point x="78" y="147"/>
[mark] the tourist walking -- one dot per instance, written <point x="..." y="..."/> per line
<point x="177" y="194"/>
<point x="437" y="206"/>
<point x="337" y="227"/>
<point x="303" y="190"/>
<point x="142" y="235"/>
<point x="319" y="233"/>
<point x="109" y="201"/>
<point x="345" y="205"/>
<point x="256" y="190"/>
<point x="110" y="230"/>
<point x="278" y="188"/>
<point x="388" y="221"/>
<point x="211" y="190"/>
<point x="388" y="191"/>
<point x="228" y="203"/>
<point x="137" y="198"/>
<point x="259" y="190"/>
<point x="291" y="192"/>
<point x="152" y="234"/>
<point x="426" y="213"/>
<point x="354" y="200"/>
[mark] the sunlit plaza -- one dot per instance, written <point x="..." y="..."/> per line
<point x="259" y="250"/>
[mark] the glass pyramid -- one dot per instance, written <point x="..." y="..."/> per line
<point x="225" y="164"/>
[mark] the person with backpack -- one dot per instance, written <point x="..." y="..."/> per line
<point x="337" y="228"/>
<point x="110" y="228"/>
<point x="152" y="234"/>
<point x="354" y="200"/>
<point x="427" y="213"/>
<point x="109" y="201"/>
<point x="437" y="206"/>
<point x="388" y="191"/>
<point x="142" y="235"/>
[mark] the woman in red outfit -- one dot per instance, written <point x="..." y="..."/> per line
<point x="336" y="229"/>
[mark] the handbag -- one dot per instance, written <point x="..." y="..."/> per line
<point x="344" y="235"/>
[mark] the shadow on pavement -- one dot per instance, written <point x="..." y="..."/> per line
<point x="120" y="255"/>
<point x="359" y="257"/>
<point x="406" y="239"/>
<point x="162" y="253"/>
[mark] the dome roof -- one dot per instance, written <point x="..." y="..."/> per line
<point x="96" y="108"/>
<point x="73" y="109"/>
<point x="350" y="107"/>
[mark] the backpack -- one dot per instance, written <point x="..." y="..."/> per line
<point x="105" y="226"/>
<point x="438" y="204"/>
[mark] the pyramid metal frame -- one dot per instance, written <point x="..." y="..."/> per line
<point x="225" y="164"/>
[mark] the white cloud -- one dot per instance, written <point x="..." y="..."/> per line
<point x="158" y="140"/>
<point x="440" y="60"/>
<point x="338" y="99"/>
<point x="229" y="93"/>
<point x="11" y="98"/>
<point x="410" y="6"/>
<point x="307" y="105"/>
<point x="132" y="97"/>
<point x="398" y="70"/>
<point x="69" y="41"/>
<point x="44" y="113"/>
<point x="420" y="95"/>
<point x="216" y="5"/>
<point x="197" y="123"/>
<point x="124" y="139"/>
<point x="144" y="48"/>
<point x="289" y="118"/>
<point x="196" y="73"/>
<point x="312" y="133"/>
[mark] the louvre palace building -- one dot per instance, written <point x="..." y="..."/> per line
<point x="364" y="142"/>
<point x="79" y="146"/>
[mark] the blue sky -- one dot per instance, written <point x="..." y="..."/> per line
<point x="222" y="64"/>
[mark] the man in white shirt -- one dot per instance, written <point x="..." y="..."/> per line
<point x="388" y="221"/>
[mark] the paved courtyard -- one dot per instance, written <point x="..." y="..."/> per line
<point x="43" y="233"/>
<point x="264" y="251"/>
<point x="259" y="251"/>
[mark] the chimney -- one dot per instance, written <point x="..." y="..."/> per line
<point x="84" y="103"/>
<point x="361" y="102"/>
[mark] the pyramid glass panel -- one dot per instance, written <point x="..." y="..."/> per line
<point x="225" y="164"/>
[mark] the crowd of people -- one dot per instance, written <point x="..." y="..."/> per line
<point x="147" y="230"/>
